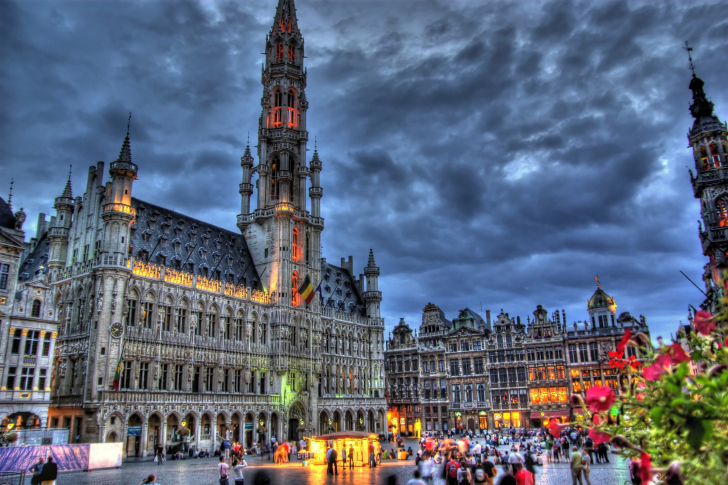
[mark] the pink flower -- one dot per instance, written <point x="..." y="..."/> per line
<point x="704" y="323"/>
<point x="678" y="354"/>
<point x="599" y="436"/>
<point x="656" y="370"/>
<point x="600" y="399"/>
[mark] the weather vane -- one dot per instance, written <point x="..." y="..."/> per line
<point x="597" y="278"/>
<point x="689" y="49"/>
<point x="128" y="124"/>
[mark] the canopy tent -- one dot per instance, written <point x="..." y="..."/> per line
<point x="359" y="440"/>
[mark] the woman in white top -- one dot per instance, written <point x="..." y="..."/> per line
<point x="238" y="469"/>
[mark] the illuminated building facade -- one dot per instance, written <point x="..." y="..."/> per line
<point x="206" y="326"/>
<point x="27" y="330"/>
<point x="402" y="363"/>
<point x="708" y="138"/>
<point x="474" y="374"/>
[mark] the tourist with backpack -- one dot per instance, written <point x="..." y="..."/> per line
<point x="451" y="472"/>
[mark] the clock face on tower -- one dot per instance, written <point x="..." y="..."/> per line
<point x="116" y="329"/>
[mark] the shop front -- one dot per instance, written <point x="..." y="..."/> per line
<point x="483" y="420"/>
<point x="507" y="419"/>
<point x="544" y="418"/>
<point x="358" y="440"/>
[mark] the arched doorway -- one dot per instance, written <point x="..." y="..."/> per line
<point x="173" y="438"/>
<point x="235" y="424"/>
<point x="360" y="426"/>
<point x="274" y="426"/>
<point x="349" y="423"/>
<point x="221" y="429"/>
<point x="337" y="421"/>
<point x="188" y="427"/>
<point x="134" y="435"/>
<point x="296" y="421"/>
<point x="261" y="428"/>
<point x="249" y="426"/>
<point x="324" y="422"/>
<point x="21" y="420"/>
<point x="381" y="422"/>
<point x="370" y="421"/>
<point x="471" y="424"/>
<point x="112" y="438"/>
<point x="154" y="433"/>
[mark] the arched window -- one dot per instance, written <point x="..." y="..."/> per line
<point x="295" y="300"/>
<point x="704" y="158"/>
<point x="722" y="211"/>
<point x="308" y="253"/>
<point x="279" y="52"/>
<point x="274" y="178"/>
<point x="296" y="247"/>
<point x="715" y="155"/>
<point x="35" y="311"/>
<point x="291" y="52"/>
<point x="291" y="109"/>
<point x="277" y="103"/>
<point x="468" y="393"/>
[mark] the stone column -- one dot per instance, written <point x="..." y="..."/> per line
<point x="198" y="430"/>
<point x="143" y="438"/>
<point x="163" y="437"/>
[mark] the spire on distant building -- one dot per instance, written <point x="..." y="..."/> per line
<point x="125" y="154"/>
<point x="10" y="195"/>
<point x="67" y="191"/>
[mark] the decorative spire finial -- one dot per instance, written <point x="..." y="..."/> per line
<point x="315" y="143"/>
<point x="597" y="278"/>
<point x="688" y="49"/>
<point x="10" y="195"/>
<point x="128" y="125"/>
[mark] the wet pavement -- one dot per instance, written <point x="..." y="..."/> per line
<point x="204" y="472"/>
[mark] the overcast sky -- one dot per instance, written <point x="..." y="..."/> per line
<point x="493" y="154"/>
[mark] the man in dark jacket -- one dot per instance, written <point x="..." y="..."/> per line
<point x="49" y="472"/>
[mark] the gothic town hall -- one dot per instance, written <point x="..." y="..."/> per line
<point x="207" y="327"/>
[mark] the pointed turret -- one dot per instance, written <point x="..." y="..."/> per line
<point x="60" y="227"/>
<point x="67" y="191"/>
<point x="246" y="187"/>
<point x="372" y="296"/>
<point x="118" y="207"/>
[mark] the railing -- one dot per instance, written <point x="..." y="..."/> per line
<point x="66" y="401"/>
<point x="171" y="397"/>
<point x="29" y="360"/>
<point x="123" y="208"/>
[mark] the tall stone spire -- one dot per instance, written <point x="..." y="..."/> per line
<point x="285" y="19"/>
<point x="67" y="191"/>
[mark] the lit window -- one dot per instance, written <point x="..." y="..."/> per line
<point x="715" y="155"/>
<point x="720" y="207"/>
<point x="294" y="288"/>
<point x="279" y="52"/>
<point x="296" y="248"/>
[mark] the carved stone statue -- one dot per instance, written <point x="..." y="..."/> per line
<point x="19" y="219"/>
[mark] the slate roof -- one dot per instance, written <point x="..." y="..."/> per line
<point x="37" y="258"/>
<point x="339" y="290"/>
<point x="167" y="237"/>
<point x="7" y="219"/>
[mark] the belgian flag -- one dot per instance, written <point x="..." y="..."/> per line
<point x="306" y="290"/>
<point x="117" y="375"/>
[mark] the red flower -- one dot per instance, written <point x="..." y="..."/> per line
<point x="633" y="362"/>
<point x="646" y="468"/>
<point x="599" y="436"/>
<point x="556" y="428"/>
<point x="678" y="354"/>
<point x="600" y="399"/>
<point x="656" y="370"/>
<point x="623" y="343"/>
<point x="704" y="323"/>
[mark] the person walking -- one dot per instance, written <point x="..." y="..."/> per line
<point x="351" y="457"/>
<point x="343" y="457"/>
<point x="417" y="480"/>
<point x="549" y="445"/>
<point x="223" y="470"/>
<point x="49" y="473"/>
<point x="331" y="457"/>
<point x="36" y="470"/>
<point x="586" y="460"/>
<point x="576" y="466"/>
<point x="372" y="462"/>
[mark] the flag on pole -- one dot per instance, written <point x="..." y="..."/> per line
<point x="117" y="375"/>
<point x="321" y="295"/>
<point x="306" y="290"/>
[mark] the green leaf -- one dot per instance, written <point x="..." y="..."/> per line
<point x="656" y="414"/>
<point x="696" y="432"/>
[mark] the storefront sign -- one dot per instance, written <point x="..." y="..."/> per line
<point x="134" y="431"/>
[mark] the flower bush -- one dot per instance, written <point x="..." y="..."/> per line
<point x="670" y="416"/>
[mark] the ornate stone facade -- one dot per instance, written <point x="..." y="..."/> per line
<point x="173" y="331"/>
<point x="475" y="374"/>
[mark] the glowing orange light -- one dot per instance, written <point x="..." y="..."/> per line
<point x="259" y="297"/>
<point x="147" y="270"/>
<point x="206" y="284"/>
<point x="236" y="291"/>
<point x="178" y="277"/>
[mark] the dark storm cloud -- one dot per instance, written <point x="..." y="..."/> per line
<point x="494" y="153"/>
